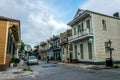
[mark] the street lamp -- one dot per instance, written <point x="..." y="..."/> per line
<point x="110" y="49"/>
<point x="109" y="43"/>
<point x="91" y="40"/>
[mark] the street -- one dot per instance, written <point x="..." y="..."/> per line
<point x="49" y="71"/>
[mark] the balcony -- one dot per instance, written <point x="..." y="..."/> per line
<point x="64" y="41"/>
<point x="83" y="34"/>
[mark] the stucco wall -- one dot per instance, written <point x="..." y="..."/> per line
<point x="3" y="29"/>
<point x="112" y="33"/>
<point x="85" y="50"/>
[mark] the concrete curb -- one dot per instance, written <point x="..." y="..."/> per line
<point x="84" y="66"/>
<point x="54" y="62"/>
<point x="16" y="74"/>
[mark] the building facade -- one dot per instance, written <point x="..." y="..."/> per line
<point x="9" y="38"/>
<point x="56" y="48"/>
<point x="66" y="47"/>
<point x="43" y="50"/>
<point x="35" y="51"/>
<point x="50" y="49"/>
<point x="90" y="33"/>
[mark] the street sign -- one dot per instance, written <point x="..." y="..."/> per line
<point x="27" y="48"/>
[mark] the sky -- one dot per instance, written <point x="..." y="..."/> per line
<point x="41" y="19"/>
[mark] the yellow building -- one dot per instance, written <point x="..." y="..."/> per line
<point x="9" y="38"/>
<point x="66" y="47"/>
<point x="90" y="33"/>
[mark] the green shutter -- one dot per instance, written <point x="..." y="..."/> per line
<point x="81" y="50"/>
<point x="76" y="51"/>
<point x="90" y="50"/>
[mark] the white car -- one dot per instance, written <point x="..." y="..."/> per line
<point x="32" y="60"/>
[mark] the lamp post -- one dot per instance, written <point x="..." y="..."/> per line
<point x="110" y="49"/>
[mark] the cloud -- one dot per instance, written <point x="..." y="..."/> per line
<point x="38" y="21"/>
<point x="103" y="6"/>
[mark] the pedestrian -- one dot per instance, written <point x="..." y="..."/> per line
<point x="47" y="59"/>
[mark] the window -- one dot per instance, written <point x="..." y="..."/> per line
<point x="74" y="31"/>
<point x="104" y="25"/>
<point x="106" y="47"/>
<point x="58" y="43"/>
<point x="81" y="27"/>
<point x="55" y="44"/>
<point x="75" y="47"/>
<point x="81" y="50"/>
<point x="14" y="48"/>
<point x="90" y="50"/>
<point x="9" y="43"/>
<point x="88" y="23"/>
<point x="67" y="49"/>
<point x="63" y="50"/>
<point x="78" y="28"/>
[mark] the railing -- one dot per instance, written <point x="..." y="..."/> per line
<point x="80" y="34"/>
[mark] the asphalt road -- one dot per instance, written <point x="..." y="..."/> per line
<point x="60" y="72"/>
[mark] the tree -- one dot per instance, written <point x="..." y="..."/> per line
<point x="22" y="46"/>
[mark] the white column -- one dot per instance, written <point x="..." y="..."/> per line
<point x="17" y="56"/>
<point x="94" y="45"/>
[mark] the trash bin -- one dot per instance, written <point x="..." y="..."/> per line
<point x="109" y="62"/>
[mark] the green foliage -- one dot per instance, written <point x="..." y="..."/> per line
<point x="116" y="66"/>
<point x="15" y="60"/>
<point x="29" y="53"/>
<point x="27" y="69"/>
<point x="22" y="46"/>
<point x="12" y="60"/>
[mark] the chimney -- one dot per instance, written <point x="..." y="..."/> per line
<point x="116" y="14"/>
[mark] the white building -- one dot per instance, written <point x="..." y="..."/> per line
<point x="90" y="33"/>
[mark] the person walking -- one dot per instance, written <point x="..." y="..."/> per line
<point x="47" y="59"/>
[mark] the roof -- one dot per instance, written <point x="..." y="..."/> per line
<point x="15" y="30"/>
<point x="88" y="11"/>
<point x="79" y="11"/>
<point x="103" y="14"/>
<point x="7" y="19"/>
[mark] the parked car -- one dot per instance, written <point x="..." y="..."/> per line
<point x="32" y="60"/>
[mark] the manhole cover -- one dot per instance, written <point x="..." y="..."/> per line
<point x="91" y="72"/>
<point x="49" y="66"/>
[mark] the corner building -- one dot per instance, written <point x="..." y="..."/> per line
<point x="9" y="38"/>
<point x="90" y="33"/>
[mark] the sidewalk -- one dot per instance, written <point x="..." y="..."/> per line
<point x="87" y="66"/>
<point x="74" y="65"/>
<point x="54" y="62"/>
<point x="15" y="72"/>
